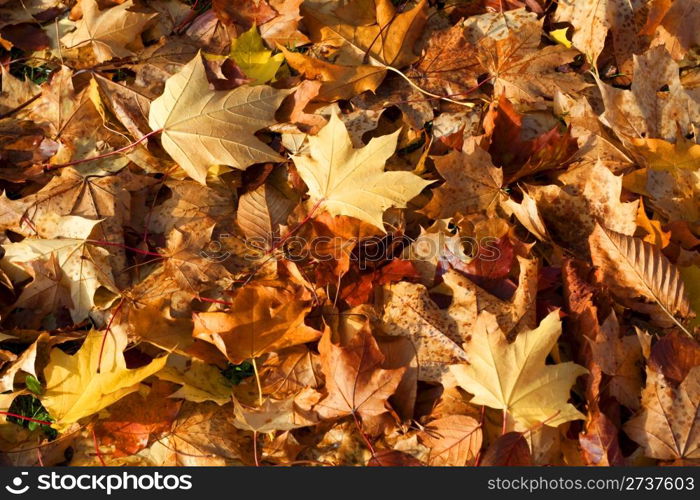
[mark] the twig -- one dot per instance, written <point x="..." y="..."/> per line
<point x="20" y="107"/>
<point x="255" y="448"/>
<point x="130" y="249"/>
<point x="364" y="436"/>
<point x="48" y="168"/>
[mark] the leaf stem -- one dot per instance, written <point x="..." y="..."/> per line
<point x="306" y="219"/>
<point x="364" y="436"/>
<point x="97" y="448"/>
<point x="48" y="168"/>
<point x="255" y="448"/>
<point x="22" y="417"/>
<point x="131" y="249"/>
<point x="213" y="301"/>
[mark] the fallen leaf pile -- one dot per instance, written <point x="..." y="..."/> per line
<point x="353" y="232"/>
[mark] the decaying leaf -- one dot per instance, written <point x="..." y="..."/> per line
<point x="667" y="426"/>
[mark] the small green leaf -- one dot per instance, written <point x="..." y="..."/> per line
<point x="33" y="384"/>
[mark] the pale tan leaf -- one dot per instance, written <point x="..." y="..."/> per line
<point x="109" y="31"/>
<point x="201" y="128"/>
<point x="668" y="426"/>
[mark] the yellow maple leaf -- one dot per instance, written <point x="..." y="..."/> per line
<point x="559" y="36"/>
<point x="201" y="128"/>
<point x="347" y="181"/>
<point x="513" y="376"/>
<point x="253" y="58"/>
<point x="93" y="378"/>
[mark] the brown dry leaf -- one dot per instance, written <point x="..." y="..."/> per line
<point x="388" y="41"/>
<point x="85" y="270"/>
<point x="190" y="204"/>
<point x="589" y="195"/>
<point x="262" y="319"/>
<point x="526" y="212"/>
<point x="203" y="434"/>
<point x="596" y="142"/>
<point x="655" y="234"/>
<point x="338" y="81"/>
<point x="261" y="212"/>
<point x="282" y="29"/>
<point x="57" y="103"/>
<point x="271" y="415"/>
<point x="437" y="337"/>
<point x="671" y="177"/>
<point x="155" y="413"/>
<point x="647" y="110"/>
<point x="509" y="449"/>
<point x="25" y="362"/>
<point x="672" y="24"/>
<point x="243" y="12"/>
<point x="667" y="426"/>
<point x="289" y="371"/>
<point x="600" y="444"/>
<point x="633" y="268"/>
<point x="109" y="32"/>
<point x="448" y="66"/>
<point x="355" y="381"/>
<point x="15" y="92"/>
<point x="674" y="356"/>
<point x="454" y="440"/>
<point x="127" y="104"/>
<point x="593" y="19"/>
<point x="508" y="46"/>
<point x="619" y="358"/>
<point x="472" y="183"/>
